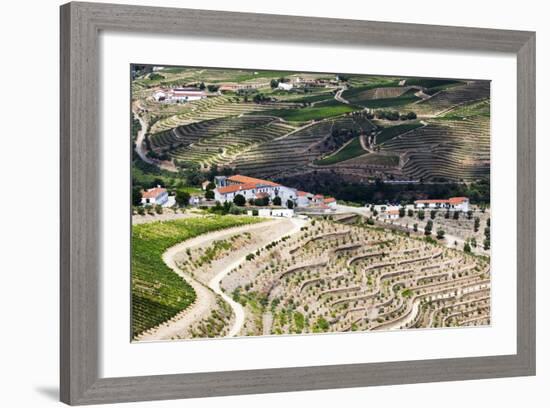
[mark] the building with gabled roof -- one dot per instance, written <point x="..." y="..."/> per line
<point x="154" y="196"/>
<point x="453" y="203"/>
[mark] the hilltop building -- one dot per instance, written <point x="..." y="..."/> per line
<point x="453" y="203"/>
<point x="154" y="196"/>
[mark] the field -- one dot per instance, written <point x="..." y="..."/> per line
<point x="350" y="150"/>
<point x="158" y="293"/>
<point x="388" y="133"/>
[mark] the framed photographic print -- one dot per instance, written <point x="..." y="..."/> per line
<point x="298" y="208"/>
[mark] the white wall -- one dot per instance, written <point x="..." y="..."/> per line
<point x="30" y="259"/>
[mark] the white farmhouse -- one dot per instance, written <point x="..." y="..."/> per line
<point x="285" y="86"/>
<point x="252" y="188"/>
<point x="453" y="203"/>
<point x="154" y="196"/>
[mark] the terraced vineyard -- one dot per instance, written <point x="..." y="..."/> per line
<point x="295" y="150"/>
<point x="158" y="293"/>
<point x="334" y="278"/>
<point x="417" y="128"/>
<point x="451" y="97"/>
<point x="445" y="149"/>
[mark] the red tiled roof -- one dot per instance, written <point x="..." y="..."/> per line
<point x="235" y="187"/>
<point x="457" y="200"/>
<point x="318" y="196"/>
<point x="302" y="193"/>
<point x="393" y="212"/>
<point x="153" y="192"/>
<point x="246" y="180"/>
<point x="329" y="200"/>
<point x="452" y="200"/>
<point x="262" y="195"/>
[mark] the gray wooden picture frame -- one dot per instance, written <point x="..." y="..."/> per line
<point x="80" y="237"/>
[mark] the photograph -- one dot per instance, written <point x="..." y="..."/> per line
<point x="293" y="203"/>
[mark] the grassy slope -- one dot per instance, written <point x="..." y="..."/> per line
<point x="157" y="292"/>
<point x="393" y="131"/>
<point x="349" y="151"/>
<point x="317" y="112"/>
<point x="470" y="110"/>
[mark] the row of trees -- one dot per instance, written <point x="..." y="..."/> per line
<point x="240" y="201"/>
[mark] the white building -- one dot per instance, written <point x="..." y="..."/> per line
<point x="154" y="196"/>
<point x="392" y="214"/>
<point x="251" y="188"/>
<point x="453" y="203"/>
<point x="285" y="86"/>
<point x="179" y="95"/>
<point x="303" y="199"/>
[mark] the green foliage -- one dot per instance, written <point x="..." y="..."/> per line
<point x="389" y="133"/>
<point x="428" y="227"/>
<point x="277" y="201"/>
<point x="321" y="325"/>
<point x="349" y="151"/>
<point x="182" y="198"/>
<point x="421" y="215"/>
<point x="440" y="234"/>
<point x="467" y="247"/>
<point x="136" y="195"/>
<point x="209" y="194"/>
<point x="158" y="293"/>
<point x="239" y="200"/>
<point x="310" y="113"/>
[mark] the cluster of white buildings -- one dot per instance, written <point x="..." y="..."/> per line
<point x="391" y="212"/>
<point x="227" y="188"/>
<point x="179" y="95"/>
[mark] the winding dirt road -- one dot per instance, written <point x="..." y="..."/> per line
<point x="206" y="294"/>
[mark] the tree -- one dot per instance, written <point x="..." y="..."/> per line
<point x="447" y="214"/>
<point x="209" y="194"/>
<point x="470" y="213"/>
<point x="486" y="244"/>
<point x="277" y="201"/>
<point x="182" y="198"/>
<point x="455" y="215"/>
<point x="440" y="234"/>
<point x="421" y="215"/>
<point x="401" y="212"/>
<point x="410" y="212"/>
<point x="428" y="227"/>
<point x="274" y="83"/>
<point x="239" y="200"/>
<point x="467" y="247"/>
<point x="210" y="186"/>
<point x="136" y="195"/>
<point x="202" y="86"/>
<point x="433" y="213"/>
<point x="158" y="209"/>
<point x="415" y="227"/>
<point x="473" y="242"/>
<point x="476" y="224"/>
<point x="290" y="204"/>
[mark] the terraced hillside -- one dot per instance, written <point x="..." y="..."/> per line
<point x="333" y="278"/>
<point x="451" y="148"/>
<point x="213" y="108"/>
<point x="452" y="97"/>
<point x="293" y="152"/>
